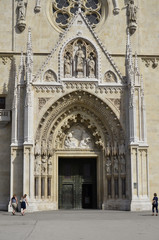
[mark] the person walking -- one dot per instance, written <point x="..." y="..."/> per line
<point x="23" y="201"/>
<point x="14" y="204"/>
<point x="155" y="204"/>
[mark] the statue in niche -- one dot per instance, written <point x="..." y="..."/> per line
<point x="108" y="166"/>
<point x="67" y="66"/>
<point x="110" y="77"/>
<point x="122" y="149"/>
<point x="91" y="67"/>
<point x="115" y="148"/>
<point x="132" y="11"/>
<point x="37" y="150"/>
<point x="50" y="150"/>
<point x="49" y="166"/>
<point x="43" y="165"/>
<point x="49" y="76"/>
<point x="43" y="148"/>
<point x="80" y="56"/>
<point x="116" y="167"/>
<point x="21" y="10"/>
<point x="37" y="166"/>
<point x="122" y="164"/>
<point x="108" y="149"/>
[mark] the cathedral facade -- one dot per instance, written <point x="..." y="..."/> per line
<point x="79" y="103"/>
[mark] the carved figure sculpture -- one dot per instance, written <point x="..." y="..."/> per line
<point x="132" y="16"/>
<point x="43" y="165"/>
<point x="122" y="149"/>
<point x="132" y="11"/>
<point x="80" y="56"/>
<point x="37" y="166"/>
<point x="37" y="150"/>
<point x="21" y="10"/>
<point x="85" y="143"/>
<point x="69" y="141"/>
<point x="122" y="164"/>
<point x="43" y="148"/>
<point x="49" y="166"/>
<point x="109" y="77"/>
<point x="115" y="148"/>
<point x="116" y="166"/>
<point x="108" y="166"/>
<point x="67" y="66"/>
<point x="21" y="7"/>
<point x="49" y="76"/>
<point x="91" y="67"/>
<point x="108" y="149"/>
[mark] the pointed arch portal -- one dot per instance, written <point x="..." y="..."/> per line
<point x="79" y="135"/>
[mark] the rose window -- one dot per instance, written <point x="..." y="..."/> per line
<point x="64" y="10"/>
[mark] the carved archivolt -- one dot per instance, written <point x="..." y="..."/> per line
<point x="79" y="59"/>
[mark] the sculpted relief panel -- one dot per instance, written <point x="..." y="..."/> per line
<point x="77" y="137"/>
<point x="80" y="60"/>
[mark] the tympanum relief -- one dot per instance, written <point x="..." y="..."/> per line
<point x="80" y="60"/>
<point x="77" y="137"/>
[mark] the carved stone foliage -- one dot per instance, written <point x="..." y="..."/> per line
<point x="151" y="62"/>
<point x="21" y="15"/>
<point x="132" y="16"/>
<point x="5" y="59"/>
<point x="109" y="76"/>
<point x="49" y="76"/>
<point x="80" y="60"/>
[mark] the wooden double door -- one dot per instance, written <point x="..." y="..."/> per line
<point x="77" y="183"/>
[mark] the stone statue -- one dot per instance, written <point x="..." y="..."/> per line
<point x="116" y="166"/>
<point x="108" y="149"/>
<point x="37" y="150"/>
<point x="49" y="166"/>
<point x="108" y="166"/>
<point x="80" y="56"/>
<point x="69" y="141"/>
<point x="91" y="67"/>
<point x="50" y="150"/>
<point x="122" y="164"/>
<point x="122" y="149"/>
<point x="43" y="165"/>
<point x="67" y="66"/>
<point x="115" y="148"/>
<point x="43" y="148"/>
<point x="132" y="11"/>
<point x="37" y="166"/>
<point x="21" y="10"/>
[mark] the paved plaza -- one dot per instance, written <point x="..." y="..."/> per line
<point x="79" y="225"/>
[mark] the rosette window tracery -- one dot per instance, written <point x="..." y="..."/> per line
<point x="64" y="10"/>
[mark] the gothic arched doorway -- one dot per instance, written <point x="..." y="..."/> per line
<point x="80" y="126"/>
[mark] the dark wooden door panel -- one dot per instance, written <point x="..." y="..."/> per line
<point x="77" y="183"/>
<point x="67" y="196"/>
